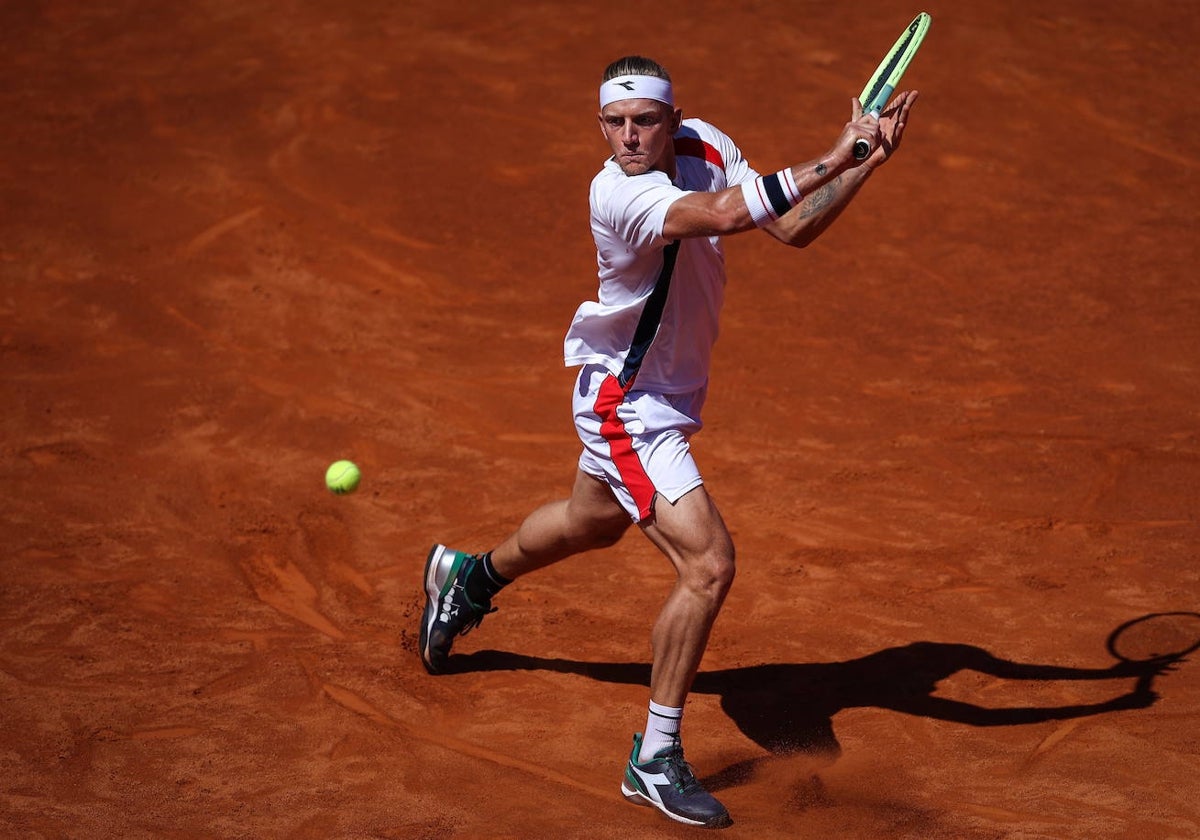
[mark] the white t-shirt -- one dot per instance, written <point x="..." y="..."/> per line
<point x="671" y="336"/>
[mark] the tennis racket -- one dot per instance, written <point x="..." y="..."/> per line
<point x="887" y="75"/>
<point x="1158" y="637"/>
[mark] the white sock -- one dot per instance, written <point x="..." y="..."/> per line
<point x="662" y="730"/>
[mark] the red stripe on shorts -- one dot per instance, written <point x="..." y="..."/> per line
<point x="620" y="445"/>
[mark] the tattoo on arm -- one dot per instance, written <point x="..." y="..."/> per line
<point x="817" y="201"/>
<point x="821" y="170"/>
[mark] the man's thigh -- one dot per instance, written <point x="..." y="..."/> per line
<point x="690" y="529"/>
<point x="594" y="507"/>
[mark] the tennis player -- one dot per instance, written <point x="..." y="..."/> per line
<point x="659" y="207"/>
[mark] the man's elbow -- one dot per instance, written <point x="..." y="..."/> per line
<point x="795" y="237"/>
<point x="729" y="215"/>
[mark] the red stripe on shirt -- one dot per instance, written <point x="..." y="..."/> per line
<point x="620" y="445"/>
<point x="697" y="148"/>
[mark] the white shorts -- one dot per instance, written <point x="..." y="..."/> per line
<point x="636" y="441"/>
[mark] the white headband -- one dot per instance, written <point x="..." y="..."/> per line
<point x="636" y="87"/>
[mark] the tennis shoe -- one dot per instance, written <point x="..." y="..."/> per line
<point x="448" y="610"/>
<point x="666" y="782"/>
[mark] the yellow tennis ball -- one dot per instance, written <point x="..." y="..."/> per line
<point x="342" y="477"/>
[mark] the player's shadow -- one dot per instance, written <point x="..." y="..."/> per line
<point x="789" y="708"/>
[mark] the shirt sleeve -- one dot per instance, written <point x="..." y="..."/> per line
<point x="635" y="207"/>
<point x="737" y="169"/>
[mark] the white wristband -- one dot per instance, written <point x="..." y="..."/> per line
<point x="769" y="197"/>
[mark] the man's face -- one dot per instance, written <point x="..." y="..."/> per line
<point x="639" y="131"/>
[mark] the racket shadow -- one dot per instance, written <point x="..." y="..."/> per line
<point x="788" y="708"/>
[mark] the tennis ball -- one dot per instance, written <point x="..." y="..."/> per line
<point x="342" y="477"/>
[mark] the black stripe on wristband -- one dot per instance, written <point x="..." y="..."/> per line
<point x="773" y="186"/>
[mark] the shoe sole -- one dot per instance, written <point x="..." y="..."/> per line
<point x="638" y="798"/>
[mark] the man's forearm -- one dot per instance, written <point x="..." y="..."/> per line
<point x="809" y="219"/>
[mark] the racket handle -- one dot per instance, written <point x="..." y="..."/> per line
<point x="861" y="147"/>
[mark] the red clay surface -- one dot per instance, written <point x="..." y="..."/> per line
<point x="956" y="438"/>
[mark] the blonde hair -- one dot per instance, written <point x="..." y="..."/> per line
<point x="635" y="65"/>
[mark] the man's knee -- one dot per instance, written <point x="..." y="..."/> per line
<point x="711" y="572"/>
<point x="724" y="569"/>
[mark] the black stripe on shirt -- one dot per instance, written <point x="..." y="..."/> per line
<point x="651" y="317"/>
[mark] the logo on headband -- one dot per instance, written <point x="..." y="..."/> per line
<point x="626" y="85"/>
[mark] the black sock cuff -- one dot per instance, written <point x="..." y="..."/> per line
<point x="482" y="581"/>
<point x="495" y="578"/>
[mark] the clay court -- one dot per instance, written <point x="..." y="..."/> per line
<point x="957" y="440"/>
